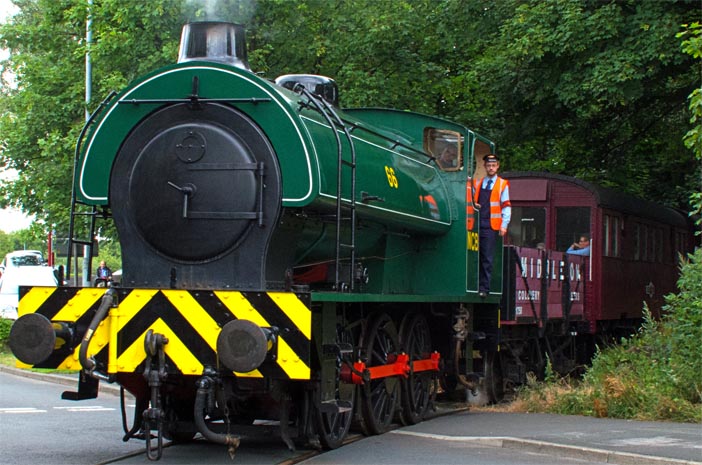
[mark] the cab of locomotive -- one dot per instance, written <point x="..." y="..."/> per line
<point x="216" y="41"/>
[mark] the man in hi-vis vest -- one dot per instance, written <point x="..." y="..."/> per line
<point x="492" y="197"/>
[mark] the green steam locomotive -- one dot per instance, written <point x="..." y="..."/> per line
<point x="283" y="258"/>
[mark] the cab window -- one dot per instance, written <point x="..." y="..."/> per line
<point x="446" y="147"/>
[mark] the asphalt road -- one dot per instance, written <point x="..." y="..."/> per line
<point x="37" y="427"/>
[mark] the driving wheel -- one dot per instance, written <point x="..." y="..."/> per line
<point x="379" y="397"/>
<point x="417" y="388"/>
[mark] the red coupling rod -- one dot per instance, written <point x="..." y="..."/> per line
<point x="427" y="364"/>
<point x="399" y="367"/>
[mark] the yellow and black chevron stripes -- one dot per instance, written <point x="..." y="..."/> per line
<point x="190" y="320"/>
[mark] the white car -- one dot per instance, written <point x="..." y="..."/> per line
<point x="15" y="276"/>
<point x="21" y="258"/>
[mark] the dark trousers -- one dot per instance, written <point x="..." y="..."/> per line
<point x="488" y="239"/>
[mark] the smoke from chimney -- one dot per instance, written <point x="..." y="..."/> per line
<point x="235" y="11"/>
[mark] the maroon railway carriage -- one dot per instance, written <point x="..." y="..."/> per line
<point x="562" y="304"/>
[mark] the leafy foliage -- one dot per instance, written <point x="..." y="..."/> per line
<point x="593" y="89"/>
<point x="379" y="51"/>
<point x="5" y="326"/>
<point x="692" y="45"/>
<point x="43" y="114"/>
<point x="590" y="88"/>
<point x="683" y="328"/>
<point x="21" y="240"/>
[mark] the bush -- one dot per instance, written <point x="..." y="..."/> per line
<point x="4" y="332"/>
<point x="635" y="379"/>
<point x="683" y="325"/>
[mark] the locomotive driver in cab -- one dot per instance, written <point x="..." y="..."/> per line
<point x="491" y="196"/>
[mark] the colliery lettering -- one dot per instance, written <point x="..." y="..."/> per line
<point x="553" y="269"/>
<point x="526" y="296"/>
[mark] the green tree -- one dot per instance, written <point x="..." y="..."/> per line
<point x="6" y="244"/>
<point x="588" y="88"/>
<point x="692" y="45"/>
<point x="43" y="114"/>
<point x="595" y="89"/>
<point x="406" y="54"/>
<point x="583" y="87"/>
<point x="25" y="239"/>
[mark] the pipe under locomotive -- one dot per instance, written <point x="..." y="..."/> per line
<point x="281" y="257"/>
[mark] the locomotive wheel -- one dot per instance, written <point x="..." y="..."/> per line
<point x="333" y="420"/>
<point x="379" y="397"/>
<point x="494" y="382"/>
<point x="415" y="338"/>
<point x="178" y="414"/>
<point x="491" y="389"/>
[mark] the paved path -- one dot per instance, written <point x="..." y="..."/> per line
<point x="596" y="439"/>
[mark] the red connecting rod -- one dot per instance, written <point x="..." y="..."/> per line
<point x="399" y="365"/>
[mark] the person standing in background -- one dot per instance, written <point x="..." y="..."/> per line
<point x="103" y="274"/>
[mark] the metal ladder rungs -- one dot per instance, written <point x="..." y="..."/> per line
<point x="327" y="112"/>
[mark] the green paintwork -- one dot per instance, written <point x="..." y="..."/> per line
<point x="304" y="142"/>
<point x="276" y="117"/>
<point x="398" y="177"/>
<point x="411" y="236"/>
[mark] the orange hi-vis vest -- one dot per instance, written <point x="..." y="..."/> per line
<point x="496" y="205"/>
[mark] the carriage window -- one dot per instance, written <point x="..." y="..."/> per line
<point x="446" y="147"/>
<point x="680" y="245"/>
<point x="648" y="243"/>
<point x="647" y="254"/>
<point x="610" y="235"/>
<point x="571" y="223"/>
<point x="605" y="234"/>
<point x="528" y="227"/>
<point x="657" y="244"/>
